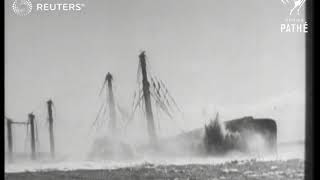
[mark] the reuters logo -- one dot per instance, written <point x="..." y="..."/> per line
<point x="22" y="7"/>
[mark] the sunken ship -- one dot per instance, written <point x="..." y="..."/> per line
<point x="214" y="138"/>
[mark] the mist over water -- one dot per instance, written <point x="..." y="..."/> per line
<point x="208" y="62"/>
<point x="173" y="155"/>
<point x="129" y="147"/>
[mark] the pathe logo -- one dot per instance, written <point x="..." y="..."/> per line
<point x="22" y="7"/>
<point x="295" y="21"/>
<point x="295" y="5"/>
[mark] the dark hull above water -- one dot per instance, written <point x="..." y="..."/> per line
<point x="237" y="135"/>
<point x="243" y="134"/>
<point x="267" y="128"/>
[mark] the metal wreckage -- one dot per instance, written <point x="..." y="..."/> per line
<point x="215" y="138"/>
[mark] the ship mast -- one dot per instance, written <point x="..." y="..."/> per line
<point x="52" y="150"/>
<point x="110" y="102"/>
<point x="146" y="95"/>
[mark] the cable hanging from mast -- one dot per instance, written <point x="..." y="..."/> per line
<point x="161" y="98"/>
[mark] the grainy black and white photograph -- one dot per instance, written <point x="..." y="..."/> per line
<point x="155" y="89"/>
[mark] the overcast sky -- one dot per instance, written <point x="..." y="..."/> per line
<point x="227" y="56"/>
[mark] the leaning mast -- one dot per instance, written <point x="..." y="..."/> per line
<point x="147" y="99"/>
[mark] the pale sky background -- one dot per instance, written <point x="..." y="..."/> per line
<point x="227" y="56"/>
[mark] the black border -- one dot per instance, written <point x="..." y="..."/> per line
<point x="3" y="95"/>
<point x="309" y="135"/>
<point x="309" y="166"/>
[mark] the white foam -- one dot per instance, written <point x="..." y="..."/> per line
<point x="284" y="153"/>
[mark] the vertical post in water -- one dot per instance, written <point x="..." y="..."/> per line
<point x="146" y="95"/>
<point x="33" y="143"/>
<point x="110" y="102"/>
<point x="9" y="130"/>
<point x="50" y="119"/>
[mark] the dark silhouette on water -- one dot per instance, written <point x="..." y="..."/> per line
<point x="236" y="134"/>
<point x="147" y="99"/>
<point x="111" y="104"/>
<point x="50" y="120"/>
